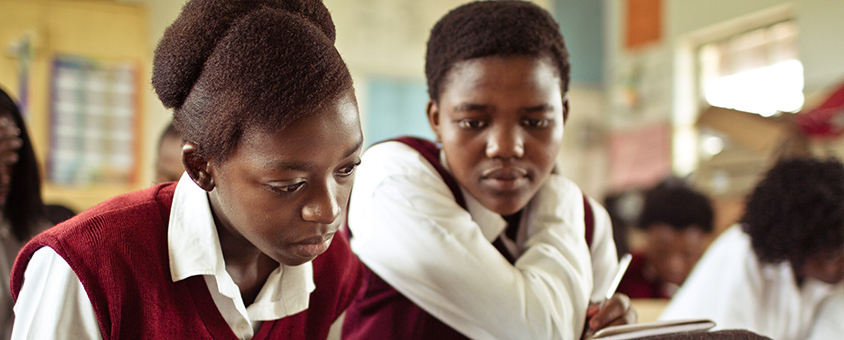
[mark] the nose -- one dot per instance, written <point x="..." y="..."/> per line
<point x="505" y="143"/>
<point x="323" y="206"/>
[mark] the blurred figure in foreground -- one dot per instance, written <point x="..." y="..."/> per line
<point x="779" y="273"/>
<point x="21" y="209"/>
<point x="168" y="164"/>
<point x="677" y="222"/>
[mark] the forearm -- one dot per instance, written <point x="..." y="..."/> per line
<point x="439" y="259"/>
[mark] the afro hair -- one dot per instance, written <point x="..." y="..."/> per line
<point x="797" y="211"/>
<point x="493" y="28"/>
<point x="227" y="65"/>
<point x="677" y="206"/>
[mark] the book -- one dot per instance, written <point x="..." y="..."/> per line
<point x="641" y="330"/>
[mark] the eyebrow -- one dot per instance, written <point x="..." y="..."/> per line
<point x="471" y="107"/>
<point x="538" y="108"/>
<point x="307" y="166"/>
<point x="354" y="148"/>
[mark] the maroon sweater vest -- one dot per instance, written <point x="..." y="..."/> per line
<point x="381" y="312"/>
<point x="118" y="250"/>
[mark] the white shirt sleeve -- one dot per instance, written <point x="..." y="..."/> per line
<point x="52" y="303"/>
<point x="408" y="229"/>
<point x="828" y="323"/>
<point x="721" y="286"/>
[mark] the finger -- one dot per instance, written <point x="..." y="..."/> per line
<point x="593" y="309"/>
<point x="7" y="127"/>
<point x="9" y="149"/>
<point x="9" y="158"/>
<point x="615" y="308"/>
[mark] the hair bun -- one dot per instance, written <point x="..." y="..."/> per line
<point x="190" y="40"/>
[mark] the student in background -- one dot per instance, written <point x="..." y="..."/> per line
<point x="479" y="237"/>
<point x="21" y="209"/>
<point x="779" y="273"/>
<point x="242" y="246"/>
<point x="168" y="162"/>
<point x="677" y="224"/>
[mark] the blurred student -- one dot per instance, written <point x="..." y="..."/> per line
<point x="677" y="222"/>
<point x="168" y="162"/>
<point x="242" y="246"/>
<point x="21" y="209"/>
<point x="479" y="237"/>
<point x="779" y="273"/>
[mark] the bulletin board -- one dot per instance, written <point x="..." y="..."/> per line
<point x="94" y="107"/>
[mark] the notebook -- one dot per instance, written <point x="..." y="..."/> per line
<point x="641" y="330"/>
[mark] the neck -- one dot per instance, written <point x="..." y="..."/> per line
<point x="248" y="267"/>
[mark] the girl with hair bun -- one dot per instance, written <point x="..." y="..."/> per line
<point x="243" y="246"/>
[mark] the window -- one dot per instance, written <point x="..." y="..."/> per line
<point x="756" y="71"/>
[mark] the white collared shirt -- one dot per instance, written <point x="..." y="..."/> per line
<point x="731" y="287"/>
<point x="53" y="304"/>
<point x="408" y="229"/>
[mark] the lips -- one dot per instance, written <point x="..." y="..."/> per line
<point x="313" y="246"/>
<point x="505" y="179"/>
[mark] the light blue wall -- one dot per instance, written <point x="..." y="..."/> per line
<point x="582" y="25"/>
<point x="396" y="107"/>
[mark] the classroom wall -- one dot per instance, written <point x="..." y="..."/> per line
<point x="103" y="30"/>
<point x="383" y="42"/>
<point x="663" y="72"/>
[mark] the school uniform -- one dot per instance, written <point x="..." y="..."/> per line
<point x="641" y="282"/>
<point x="730" y="286"/>
<point x="421" y="245"/>
<point x="149" y="265"/>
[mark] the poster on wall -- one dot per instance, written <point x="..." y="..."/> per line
<point x="92" y="121"/>
<point x="643" y="24"/>
<point x="640" y="157"/>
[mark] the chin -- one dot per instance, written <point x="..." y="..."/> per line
<point x="506" y="207"/>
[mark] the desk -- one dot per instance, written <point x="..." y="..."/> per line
<point x="649" y="309"/>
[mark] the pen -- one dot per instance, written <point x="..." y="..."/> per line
<point x="622" y="268"/>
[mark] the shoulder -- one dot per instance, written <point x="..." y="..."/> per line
<point x="393" y="158"/>
<point x="118" y="224"/>
<point x="399" y="169"/>
<point x="133" y="203"/>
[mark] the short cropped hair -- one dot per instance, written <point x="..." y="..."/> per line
<point x="227" y="65"/>
<point x="493" y="28"/>
<point x="678" y="206"/>
<point x="797" y="211"/>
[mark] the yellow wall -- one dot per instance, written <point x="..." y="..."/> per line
<point x="102" y="30"/>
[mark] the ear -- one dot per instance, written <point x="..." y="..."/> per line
<point x="433" y="112"/>
<point x="565" y="109"/>
<point x="197" y="166"/>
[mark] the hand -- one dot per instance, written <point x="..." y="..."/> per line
<point x="10" y="142"/>
<point x="615" y="311"/>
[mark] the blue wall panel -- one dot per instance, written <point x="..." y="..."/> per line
<point x="582" y="24"/>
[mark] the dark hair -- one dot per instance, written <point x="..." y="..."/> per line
<point x="797" y="211"/>
<point x="493" y="28"/>
<point x="228" y="65"/>
<point x="678" y="206"/>
<point x="24" y="207"/>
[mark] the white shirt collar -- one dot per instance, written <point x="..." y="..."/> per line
<point x="194" y="249"/>
<point x="490" y="222"/>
